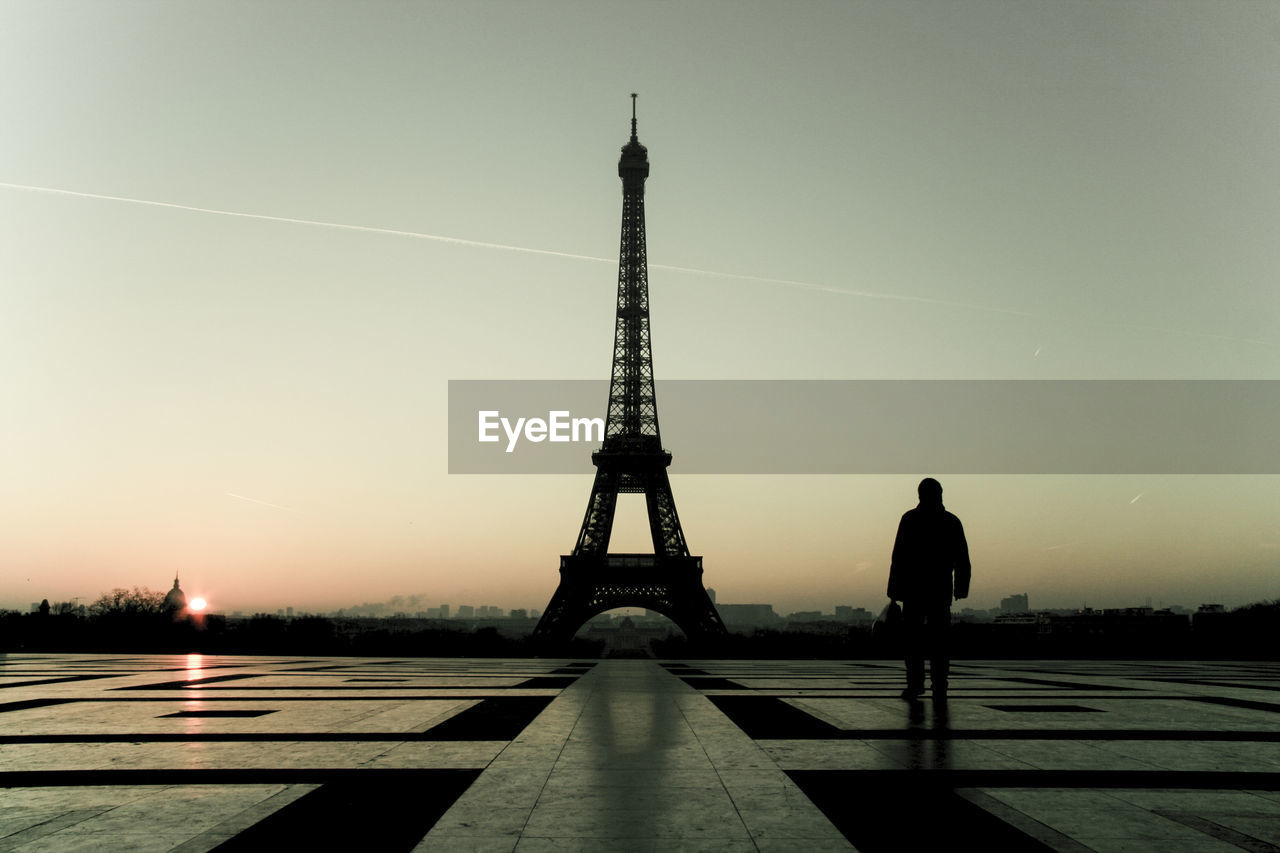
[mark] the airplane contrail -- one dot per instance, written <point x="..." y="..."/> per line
<point x="369" y="229"/>
<point x="480" y="244"/>
<point x="847" y="291"/>
<point x="264" y="503"/>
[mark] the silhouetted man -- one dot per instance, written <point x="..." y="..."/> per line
<point x="930" y="564"/>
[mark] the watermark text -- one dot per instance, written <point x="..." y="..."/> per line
<point x="558" y="426"/>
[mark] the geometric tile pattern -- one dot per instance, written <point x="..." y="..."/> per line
<point x="191" y="753"/>
<point x="1025" y="755"/>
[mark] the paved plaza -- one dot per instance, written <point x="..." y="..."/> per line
<point x="191" y="753"/>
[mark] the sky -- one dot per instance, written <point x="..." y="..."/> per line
<point x="208" y="372"/>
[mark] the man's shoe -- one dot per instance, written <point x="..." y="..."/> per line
<point x="912" y="693"/>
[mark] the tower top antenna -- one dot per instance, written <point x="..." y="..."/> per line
<point x="633" y="116"/>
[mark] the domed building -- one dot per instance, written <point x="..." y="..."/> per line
<point x="175" y="601"/>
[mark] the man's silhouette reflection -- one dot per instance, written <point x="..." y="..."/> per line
<point x="930" y="564"/>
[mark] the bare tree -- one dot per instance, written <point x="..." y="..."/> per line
<point x="140" y="601"/>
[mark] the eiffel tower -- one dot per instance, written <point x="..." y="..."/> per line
<point x="631" y="459"/>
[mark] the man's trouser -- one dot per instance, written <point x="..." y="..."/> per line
<point x="926" y="625"/>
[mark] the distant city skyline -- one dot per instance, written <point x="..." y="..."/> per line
<point x="248" y="247"/>
<point x="421" y="608"/>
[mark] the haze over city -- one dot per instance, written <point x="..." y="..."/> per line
<point x="247" y="246"/>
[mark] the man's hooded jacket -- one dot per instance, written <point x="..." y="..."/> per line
<point x="930" y="546"/>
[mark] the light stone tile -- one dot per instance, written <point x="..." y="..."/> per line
<point x="438" y="754"/>
<point x="785" y="844"/>
<point x="405" y="716"/>
<point x="242" y="810"/>
<point x="636" y="844"/>
<point x="1262" y="827"/>
<point x="639" y="798"/>
<point x="621" y="825"/>
<point x="747" y="781"/>
<point x="1257" y="757"/>
<point x="828" y="755"/>
<point x="468" y="844"/>
<point x="16" y="830"/>
<point x="481" y="819"/>
<point x="1032" y="800"/>
<point x="509" y="789"/>
<point x="563" y="777"/>
<point x="142" y="842"/>
<point x="1202" y="844"/>
<point x="1131" y="823"/>
<point x="785" y="812"/>
<point x="1071" y="755"/>
<point x="1200" y="802"/>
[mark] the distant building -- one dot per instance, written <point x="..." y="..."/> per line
<point x="624" y="637"/>
<point x="519" y="613"/>
<point x="1210" y="615"/>
<point x="711" y="594"/>
<point x="1015" y="604"/>
<point x="854" y="615"/>
<point x="1127" y="611"/>
<point x="805" y="616"/>
<point x="969" y="614"/>
<point x="1016" y="617"/>
<point x="466" y="611"/>
<point x="444" y="611"/>
<point x="175" y="601"/>
<point x="747" y="615"/>
<point x="1117" y="623"/>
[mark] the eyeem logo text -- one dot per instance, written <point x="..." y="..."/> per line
<point x="558" y="426"/>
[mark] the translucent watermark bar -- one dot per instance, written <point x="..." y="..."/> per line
<point x="883" y="426"/>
